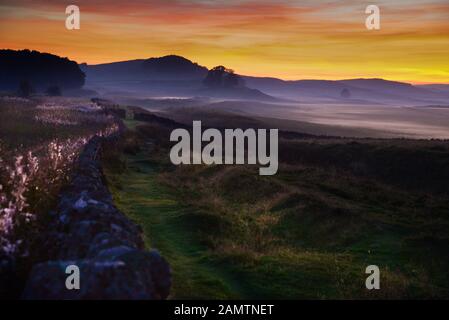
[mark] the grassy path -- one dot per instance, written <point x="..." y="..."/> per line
<point x="169" y="227"/>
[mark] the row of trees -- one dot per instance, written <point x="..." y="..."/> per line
<point x="41" y="70"/>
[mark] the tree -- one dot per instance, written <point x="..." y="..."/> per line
<point x="345" y="93"/>
<point x="40" y="69"/>
<point x="232" y="80"/>
<point x="214" y="77"/>
<point x="53" y="91"/>
<point x="25" y="89"/>
<point x="221" y="77"/>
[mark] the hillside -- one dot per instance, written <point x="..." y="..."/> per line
<point x="41" y="70"/>
<point x="179" y="77"/>
<point x="373" y="90"/>
<point x="307" y="232"/>
<point x="164" y="76"/>
<point x="170" y="67"/>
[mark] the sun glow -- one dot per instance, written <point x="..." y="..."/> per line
<point x="289" y="40"/>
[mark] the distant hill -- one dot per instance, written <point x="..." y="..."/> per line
<point x="164" y="76"/>
<point x="170" y="67"/>
<point x="115" y="71"/>
<point x="41" y="70"/>
<point x="177" y="76"/>
<point x="174" y="66"/>
<point x="373" y="90"/>
<point x="435" y="87"/>
<point x="387" y="87"/>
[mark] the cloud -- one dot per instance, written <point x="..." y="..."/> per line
<point x="292" y="39"/>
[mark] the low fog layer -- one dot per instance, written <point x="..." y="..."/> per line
<point x="356" y="107"/>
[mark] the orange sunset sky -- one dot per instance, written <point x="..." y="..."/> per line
<point x="285" y="39"/>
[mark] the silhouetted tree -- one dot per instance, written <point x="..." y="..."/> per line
<point x="219" y="77"/>
<point x="232" y="80"/>
<point x="53" y="91"/>
<point x="25" y="89"/>
<point x="214" y="77"/>
<point x="345" y="93"/>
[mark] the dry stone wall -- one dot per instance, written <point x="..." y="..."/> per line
<point x="88" y="231"/>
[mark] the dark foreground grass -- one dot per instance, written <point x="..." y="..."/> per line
<point x="19" y="129"/>
<point x="168" y="227"/>
<point x="176" y="231"/>
<point x="309" y="232"/>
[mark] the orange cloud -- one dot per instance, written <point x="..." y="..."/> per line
<point x="288" y="39"/>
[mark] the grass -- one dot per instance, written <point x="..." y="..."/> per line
<point x="132" y="124"/>
<point x="335" y="207"/>
<point x="20" y="130"/>
<point x="198" y="272"/>
<point x="308" y="232"/>
<point x="167" y="227"/>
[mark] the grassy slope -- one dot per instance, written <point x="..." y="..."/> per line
<point x="166" y="226"/>
<point x="20" y="130"/>
<point x="198" y="273"/>
<point x="308" y="232"/>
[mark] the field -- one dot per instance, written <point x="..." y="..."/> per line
<point x="313" y="116"/>
<point x="335" y="207"/>
<point x="40" y="140"/>
<point x="224" y="151"/>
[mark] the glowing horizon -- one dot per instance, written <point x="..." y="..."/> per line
<point x="290" y="40"/>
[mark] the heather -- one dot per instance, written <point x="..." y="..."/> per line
<point x="40" y="140"/>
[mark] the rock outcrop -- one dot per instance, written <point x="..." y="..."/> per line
<point x="90" y="232"/>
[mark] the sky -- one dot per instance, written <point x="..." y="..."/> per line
<point x="309" y="39"/>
